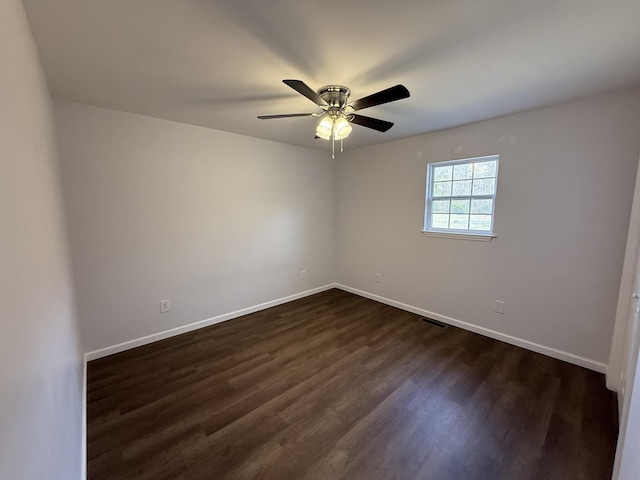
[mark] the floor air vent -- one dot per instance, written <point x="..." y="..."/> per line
<point x="433" y="322"/>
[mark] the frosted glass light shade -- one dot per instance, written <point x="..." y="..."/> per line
<point x="325" y="128"/>
<point x="341" y="128"/>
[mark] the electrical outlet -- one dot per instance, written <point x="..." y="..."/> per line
<point x="303" y="274"/>
<point x="378" y="278"/>
<point x="498" y="306"/>
<point x="165" y="306"/>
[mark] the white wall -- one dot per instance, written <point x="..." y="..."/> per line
<point x="564" y="196"/>
<point x="213" y="221"/>
<point x="40" y="360"/>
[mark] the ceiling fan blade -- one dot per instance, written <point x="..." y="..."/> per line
<point x="286" y="115"/>
<point x="374" y="123"/>
<point x="385" y="96"/>
<point x="304" y="89"/>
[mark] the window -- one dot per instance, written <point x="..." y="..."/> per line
<point x="461" y="197"/>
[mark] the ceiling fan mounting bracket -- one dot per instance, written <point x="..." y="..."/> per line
<point x="336" y="96"/>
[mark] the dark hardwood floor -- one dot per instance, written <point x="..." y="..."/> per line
<point x="335" y="386"/>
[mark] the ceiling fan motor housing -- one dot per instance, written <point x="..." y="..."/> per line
<point x="336" y="96"/>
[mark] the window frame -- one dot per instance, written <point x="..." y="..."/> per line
<point x="456" y="233"/>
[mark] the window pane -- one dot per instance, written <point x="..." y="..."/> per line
<point x="442" y="189"/>
<point x="459" y="222"/>
<point x="461" y="195"/>
<point x="461" y="188"/>
<point x="460" y="206"/>
<point x="440" y="206"/>
<point x="484" y="186"/>
<point x="481" y="206"/>
<point x="480" y="222"/>
<point x="442" y="173"/>
<point x="462" y="172"/>
<point x="484" y="169"/>
<point x="439" y="220"/>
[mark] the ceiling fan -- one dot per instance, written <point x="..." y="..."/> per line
<point x="337" y="111"/>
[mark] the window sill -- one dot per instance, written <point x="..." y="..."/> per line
<point x="479" y="237"/>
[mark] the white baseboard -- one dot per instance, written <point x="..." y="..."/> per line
<point x="535" y="347"/>
<point x="121" y="347"/>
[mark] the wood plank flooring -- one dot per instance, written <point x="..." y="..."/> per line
<point x="335" y="386"/>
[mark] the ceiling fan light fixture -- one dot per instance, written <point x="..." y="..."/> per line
<point x="325" y="128"/>
<point x="337" y="111"/>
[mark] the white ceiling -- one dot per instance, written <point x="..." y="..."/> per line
<point x="220" y="63"/>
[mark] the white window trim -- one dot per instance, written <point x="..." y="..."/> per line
<point x="460" y="234"/>
<point x="481" y="237"/>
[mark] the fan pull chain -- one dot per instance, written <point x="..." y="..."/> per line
<point x="341" y="145"/>
<point x="333" y="146"/>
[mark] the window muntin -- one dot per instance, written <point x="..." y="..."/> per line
<point x="461" y="196"/>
